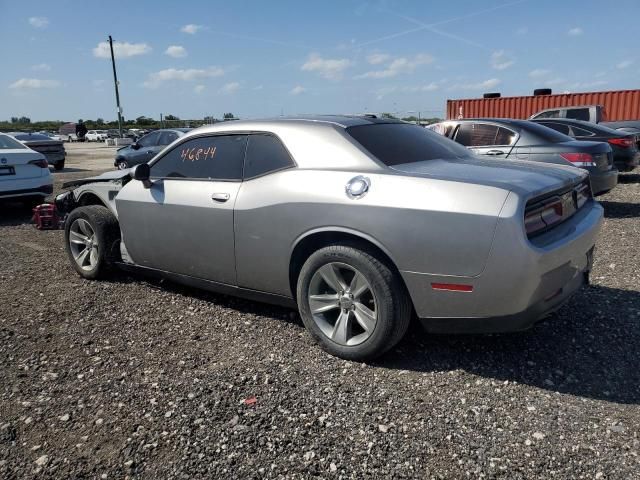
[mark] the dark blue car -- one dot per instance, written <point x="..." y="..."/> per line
<point x="147" y="147"/>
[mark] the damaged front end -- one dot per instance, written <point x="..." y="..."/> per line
<point x="103" y="187"/>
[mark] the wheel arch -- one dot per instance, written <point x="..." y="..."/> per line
<point x="89" y="198"/>
<point x="316" y="239"/>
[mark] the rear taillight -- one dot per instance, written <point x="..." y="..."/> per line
<point x="579" y="159"/>
<point x="543" y="216"/>
<point x="583" y="194"/>
<point x="39" y="163"/>
<point x="621" y="142"/>
<point x="539" y="216"/>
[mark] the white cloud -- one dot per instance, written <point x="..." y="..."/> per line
<point x="38" y="22"/>
<point x="378" y="58"/>
<point x="485" y="85"/>
<point x="41" y="67"/>
<point x="500" y="60"/>
<point x="121" y="49"/>
<point x="191" y="28"/>
<point x="574" y="32"/>
<point x="230" y="88"/>
<point x="539" y="72"/>
<point x="34" y="83"/>
<point x="554" y="82"/>
<point x="399" y="65"/>
<point x="583" y="85"/>
<point x="176" y="51"/>
<point x="199" y="89"/>
<point x="330" y="68"/>
<point x="155" y="79"/>
<point x="624" y="64"/>
<point x="429" y="87"/>
<point x="297" y="90"/>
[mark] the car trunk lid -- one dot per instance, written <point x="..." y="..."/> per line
<point x="529" y="179"/>
<point x="14" y="163"/>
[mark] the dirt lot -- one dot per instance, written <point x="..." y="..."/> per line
<point x="142" y="378"/>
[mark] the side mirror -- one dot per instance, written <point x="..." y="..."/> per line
<point x="142" y="173"/>
<point x="135" y="146"/>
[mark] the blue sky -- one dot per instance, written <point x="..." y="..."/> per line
<point x="265" y="58"/>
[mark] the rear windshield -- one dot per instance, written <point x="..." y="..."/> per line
<point x="547" y="134"/>
<point x="26" y="137"/>
<point x="8" y="143"/>
<point x="399" y="143"/>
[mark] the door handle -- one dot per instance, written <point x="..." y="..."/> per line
<point x="220" y="197"/>
<point x="495" y="152"/>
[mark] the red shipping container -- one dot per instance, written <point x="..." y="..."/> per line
<point x="618" y="105"/>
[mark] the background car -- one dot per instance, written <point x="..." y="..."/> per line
<point x="24" y="173"/>
<point x="53" y="150"/>
<point x="624" y="145"/>
<point x="144" y="149"/>
<point x="526" y="140"/>
<point x="357" y="222"/>
<point x="96" y="136"/>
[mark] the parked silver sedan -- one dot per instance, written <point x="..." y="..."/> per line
<point x="360" y="223"/>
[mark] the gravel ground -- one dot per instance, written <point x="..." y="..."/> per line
<point x="145" y="379"/>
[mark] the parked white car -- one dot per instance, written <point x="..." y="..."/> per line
<point x="24" y="173"/>
<point x="96" y="136"/>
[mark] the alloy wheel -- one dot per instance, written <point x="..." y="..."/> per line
<point x="83" y="242"/>
<point x="342" y="304"/>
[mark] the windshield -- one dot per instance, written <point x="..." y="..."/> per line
<point x="8" y="143"/>
<point x="26" y="137"/>
<point x="399" y="143"/>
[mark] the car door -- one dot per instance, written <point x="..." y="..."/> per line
<point x="184" y="223"/>
<point x="486" y="139"/>
<point x="147" y="148"/>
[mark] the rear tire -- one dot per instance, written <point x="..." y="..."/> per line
<point x="122" y="165"/>
<point x="92" y="240"/>
<point x="353" y="319"/>
<point x="59" y="166"/>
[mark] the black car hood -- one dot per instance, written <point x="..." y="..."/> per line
<point x="105" y="177"/>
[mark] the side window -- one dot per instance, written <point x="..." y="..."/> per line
<point x="581" y="132"/>
<point x="167" y="137"/>
<point x="265" y="153"/>
<point x="578" y="114"/>
<point x="505" y="136"/>
<point x="150" y="140"/>
<point x="217" y="157"/>
<point x="484" y="135"/>
<point x="558" y="127"/>
<point x="463" y="134"/>
<point x="548" y="114"/>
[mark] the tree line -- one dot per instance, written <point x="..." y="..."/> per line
<point x="25" y="123"/>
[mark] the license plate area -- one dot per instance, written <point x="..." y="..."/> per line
<point x="7" y="171"/>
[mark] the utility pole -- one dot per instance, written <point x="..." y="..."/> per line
<point x="115" y="82"/>
<point x="161" y="121"/>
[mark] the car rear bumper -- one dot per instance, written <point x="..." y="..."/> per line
<point x="523" y="281"/>
<point x="42" y="190"/>
<point x="602" y="181"/>
<point x="54" y="158"/>
<point x="626" y="160"/>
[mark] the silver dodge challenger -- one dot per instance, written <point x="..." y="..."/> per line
<point x="360" y="223"/>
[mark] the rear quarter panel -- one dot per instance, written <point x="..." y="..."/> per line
<point x="424" y="225"/>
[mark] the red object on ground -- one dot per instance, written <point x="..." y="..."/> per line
<point x="618" y="105"/>
<point x="46" y="217"/>
<point x="250" y="401"/>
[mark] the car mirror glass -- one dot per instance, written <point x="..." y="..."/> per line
<point x="142" y="173"/>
